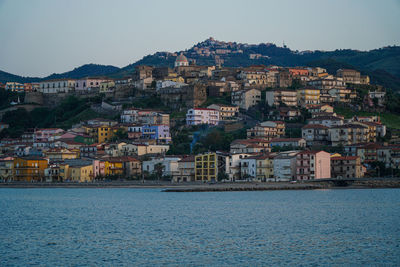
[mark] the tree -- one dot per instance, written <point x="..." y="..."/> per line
<point x="158" y="169"/>
<point x="222" y="176"/>
<point x="120" y="134"/>
<point x="18" y="120"/>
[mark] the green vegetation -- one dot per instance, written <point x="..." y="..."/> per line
<point x="293" y="132"/>
<point x="393" y="102"/>
<point x="19" y="120"/>
<point x="71" y="110"/>
<point x="86" y="114"/>
<point x="7" y="96"/>
<point x="224" y="100"/>
<point x="217" y="139"/>
<point x="120" y="134"/>
<point x="386" y="75"/>
<point x="389" y="119"/>
<point x="178" y="115"/>
<point x="153" y="102"/>
<point x="181" y="142"/>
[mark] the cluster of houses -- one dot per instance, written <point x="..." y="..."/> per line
<point x="58" y="155"/>
<point x="89" y="150"/>
<point x="58" y="86"/>
<point x="188" y="85"/>
<point x="136" y="146"/>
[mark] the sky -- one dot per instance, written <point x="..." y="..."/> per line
<point x="41" y="37"/>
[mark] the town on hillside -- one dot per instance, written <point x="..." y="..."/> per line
<point x="193" y="123"/>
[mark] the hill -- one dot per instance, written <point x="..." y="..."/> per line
<point x="86" y="71"/>
<point x="382" y="65"/>
<point x="77" y="73"/>
<point x="8" y="77"/>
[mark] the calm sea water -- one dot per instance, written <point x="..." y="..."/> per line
<point x="126" y="227"/>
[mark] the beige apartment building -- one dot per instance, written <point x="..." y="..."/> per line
<point x="349" y="76"/>
<point x="245" y="99"/>
<point x="267" y="130"/>
<point x="308" y="96"/>
<point x="186" y="170"/>
<point x="348" y="134"/>
<point x="346" y="167"/>
<point x="281" y="96"/>
<point x="225" y="112"/>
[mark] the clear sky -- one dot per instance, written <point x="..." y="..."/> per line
<point x="40" y="37"/>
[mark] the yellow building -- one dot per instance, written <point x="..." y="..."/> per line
<point x="225" y="112"/>
<point x="206" y="167"/>
<point x="308" y="96"/>
<point x="175" y="78"/>
<point x="107" y="86"/>
<point x="101" y="133"/>
<point x="336" y="155"/>
<point x="61" y="154"/>
<point x="79" y="173"/>
<point x="265" y="167"/>
<point x="29" y="168"/>
<point x="63" y="172"/>
<point x="113" y="167"/>
<point x="267" y="130"/>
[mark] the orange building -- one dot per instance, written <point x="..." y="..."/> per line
<point x="29" y="168"/>
<point x="298" y="72"/>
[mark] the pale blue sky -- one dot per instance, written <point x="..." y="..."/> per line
<point x="40" y="37"/>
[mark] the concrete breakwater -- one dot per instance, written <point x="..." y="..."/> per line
<point x="246" y="187"/>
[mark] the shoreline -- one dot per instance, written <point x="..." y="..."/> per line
<point x="213" y="187"/>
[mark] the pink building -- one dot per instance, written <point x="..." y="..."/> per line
<point x="98" y="168"/>
<point x="47" y="134"/>
<point x="196" y="116"/>
<point x="88" y="83"/>
<point x="313" y="165"/>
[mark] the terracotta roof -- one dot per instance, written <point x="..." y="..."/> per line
<point x="370" y="123"/>
<point x="325" y="118"/>
<point x="311" y="151"/>
<point x="315" y="126"/>
<point x="69" y="142"/>
<point x="189" y="158"/>
<point x="286" y="139"/>
<point x="371" y="145"/>
<point x="346" y="126"/>
<point x="203" y="109"/>
<point x="48" y="129"/>
<point x="345" y="158"/>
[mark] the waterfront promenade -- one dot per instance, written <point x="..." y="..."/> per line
<point x="218" y="186"/>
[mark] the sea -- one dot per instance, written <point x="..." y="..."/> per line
<point x="148" y="227"/>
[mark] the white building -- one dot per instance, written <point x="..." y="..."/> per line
<point x="328" y="121"/>
<point x="285" y="166"/>
<point x="196" y="116"/>
<point x="235" y="165"/>
<point x="170" y="165"/>
<point x="87" y="84"/>
<point x="149" y="117"/>
<point x="168" y="83"/>
<point x="246" y="98"/>
<point x="248" y="168"/>
<point x="56" y="86"/>
<point x="293" y="142"/>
